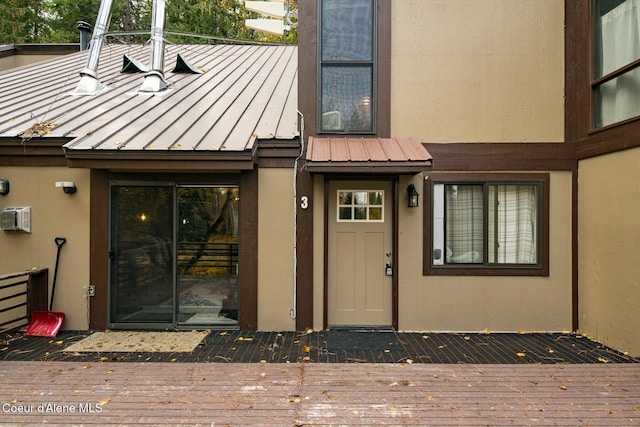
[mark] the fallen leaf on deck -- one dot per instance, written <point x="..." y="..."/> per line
<point x="104" y="401"/>
<point x="603" y="360"/>
<point x="520" y="354"/>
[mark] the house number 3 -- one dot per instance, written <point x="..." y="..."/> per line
<point x="304" y="202"/>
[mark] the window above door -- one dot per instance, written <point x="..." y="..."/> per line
<point x="347" y="66"/>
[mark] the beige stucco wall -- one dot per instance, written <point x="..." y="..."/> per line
<point x="275" y="249"/>
<point x="478" y="71"/>
<point x="457" y="303"/>
<point x="609" y="244"/>
<point x="513" y="303"/>
<point x="54" y="214"/>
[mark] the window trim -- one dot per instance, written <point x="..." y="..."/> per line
<point x="540" y="269"/>
<point x="372" y="64"/>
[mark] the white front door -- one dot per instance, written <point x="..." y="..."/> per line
<point x="359" y="289"/>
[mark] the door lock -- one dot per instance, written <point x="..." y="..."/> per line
<point x="388" y="270"/>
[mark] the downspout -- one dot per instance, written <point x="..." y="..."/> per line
<point x="294" y="311"/>
<point x="154" y="80"/>
<point x="89" y="83"/>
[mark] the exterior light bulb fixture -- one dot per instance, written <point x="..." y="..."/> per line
<point x="4" y="187"/>
<point x="413" y="196"/>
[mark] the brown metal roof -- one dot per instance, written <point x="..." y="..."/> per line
<point x="376" y="155"/>
<point x="244" y="93"/>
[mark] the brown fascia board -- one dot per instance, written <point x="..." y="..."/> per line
<point x="46" y="48"/>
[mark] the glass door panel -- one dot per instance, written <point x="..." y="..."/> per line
<point x="141" y="255"/>
<point x="207" y="256"/>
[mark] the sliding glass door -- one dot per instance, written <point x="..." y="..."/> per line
<point x="173" y="256"/>
<point x="207" y="255"/>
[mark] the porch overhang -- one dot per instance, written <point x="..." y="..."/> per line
<point x="347" y="155"/>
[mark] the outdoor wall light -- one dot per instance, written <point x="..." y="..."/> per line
<point x="413" y="196"/>
<point x="67" y="186"/>
<point x="4" y="187"/>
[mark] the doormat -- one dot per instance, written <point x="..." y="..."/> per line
<point x="138" y="342"/>
<point x="350" y="340"/>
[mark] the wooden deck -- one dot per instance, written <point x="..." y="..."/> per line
<point x="300" y="394"/>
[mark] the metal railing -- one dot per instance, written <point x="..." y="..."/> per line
<point x="20" y="294"/>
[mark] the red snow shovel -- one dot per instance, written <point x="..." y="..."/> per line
<point x="48" y="323"/>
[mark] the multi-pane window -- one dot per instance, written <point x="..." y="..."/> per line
<point x="347" y="66"/>
<point x="484" y="224"/>
<point x="616" y="80"/>
<point x="360" y="205"/>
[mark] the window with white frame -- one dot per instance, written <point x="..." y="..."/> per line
<point x="347" y="66"/>
<point x="486" y="225"/>
<point x="616" y="80"/>
<point x="360" y="205"/>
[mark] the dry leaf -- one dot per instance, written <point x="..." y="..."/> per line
<point x="563" y="387"/>
<point x="603" y="360"/>
<point x="520" y="354"/>
<point x="306" y="349"/>
<point x="104" y="401"/>
<point x="409" y="361"/>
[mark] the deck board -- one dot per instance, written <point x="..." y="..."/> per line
<point x="320" y="394"/>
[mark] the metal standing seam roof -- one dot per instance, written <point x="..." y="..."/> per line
<point x="245" y="92"/>
<point x="383" y="154"/>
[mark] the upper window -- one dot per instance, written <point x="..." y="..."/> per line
<point x="616" y="80"/>
<point x="347" y="66"/>
<point x="486" y="226"/>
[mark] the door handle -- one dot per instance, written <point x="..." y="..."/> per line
<point x="388" y="270"/>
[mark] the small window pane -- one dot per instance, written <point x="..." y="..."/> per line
<point x="347" y="30"/>
<point x="375" y="198"/>
<point x="513" y="224"/>
<point x="375" y="213"/>
<point x="345" y="213"/>
<point x="464" y="224"/>
<point x="360" y="198"/>
<point x="360" y="213"/>
<point x="617" y="34"/>
<point x="346" y="98"/>
<point x="344" y="197"/>
<point x="618" y="99"/>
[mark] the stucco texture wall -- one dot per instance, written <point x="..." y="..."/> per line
<point x="54" y="214"/>
<point x="479" y="303"/>
<point x="478" y="71"/>
<point x="608" y="248"/>
<point x="275" y="249"/>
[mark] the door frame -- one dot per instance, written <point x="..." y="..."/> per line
<point x="394" y="241"/>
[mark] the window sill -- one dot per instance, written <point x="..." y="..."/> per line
<point x="483" y="270"/>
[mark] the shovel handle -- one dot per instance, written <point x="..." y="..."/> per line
<point x="60" y="241"/>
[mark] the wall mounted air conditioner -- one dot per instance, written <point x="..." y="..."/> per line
<point x="16" y="219"/>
